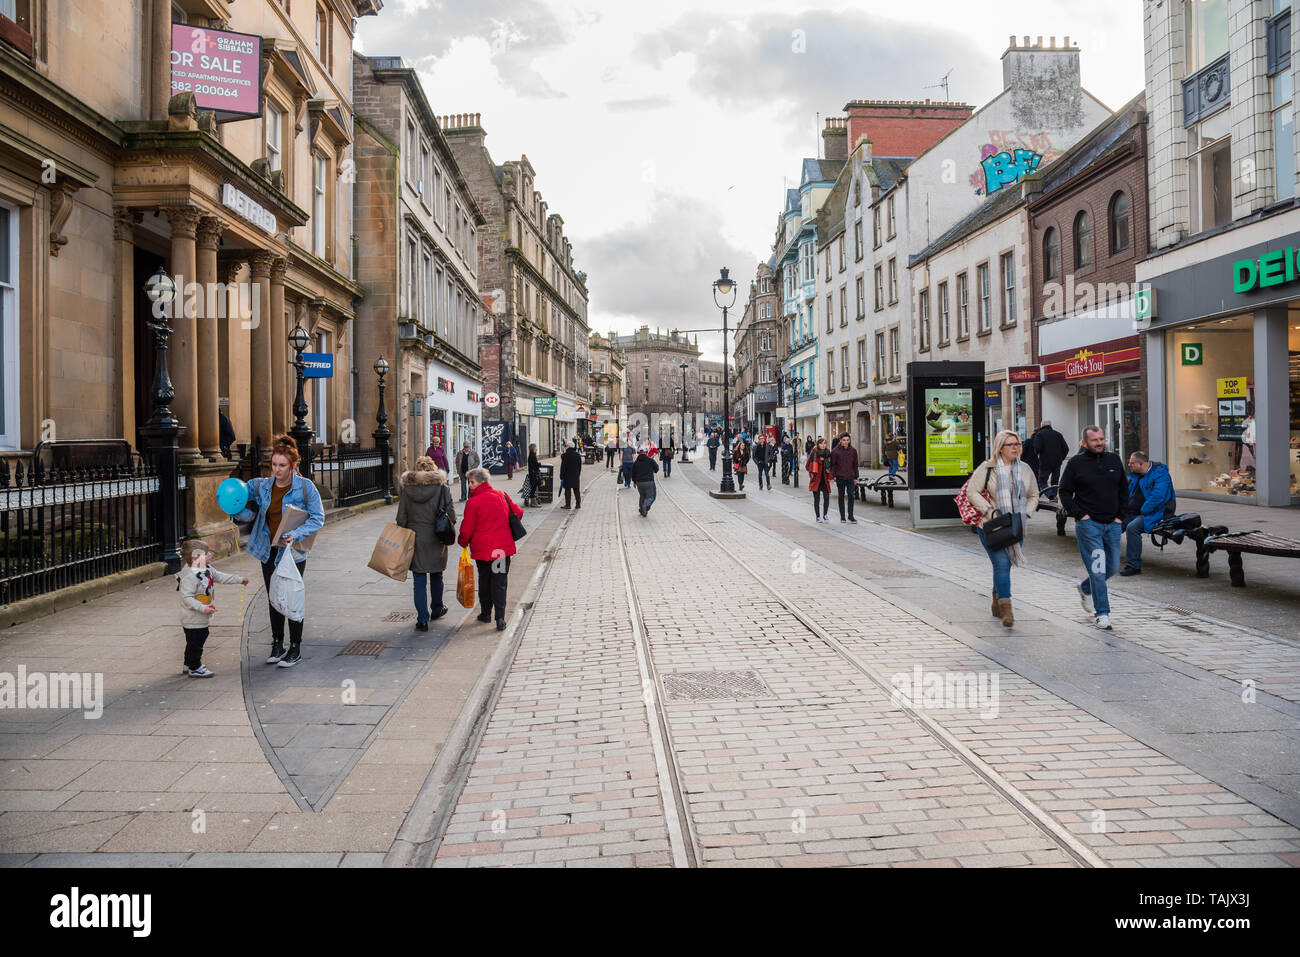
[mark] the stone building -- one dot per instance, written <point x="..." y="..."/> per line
<point x="760" y="349"/>
<point x="608" y="386"/>
<point x="533" y="337"/>
<point x="654" y="379"/>
<point x="111" y="170"/>
<point x="418" y="225"/>
<point x="711" y="386"/>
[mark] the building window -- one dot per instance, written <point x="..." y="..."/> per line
<point x="830" y="312"/>
<point x="1119" y="223"/>
<point x="1008" y="289"/>
<point x="412" y="272"/>
<point x="830" y="372"/>
<point x="986" y="304"/>
<point x="9" y="420"/>
<point x="274" y="136"/>
<point x="944" y="329"/>
<point x="320" y="224"/>
<point x="880" y="357"/>
<point x="427" y="311"/>
<point x="1082" y="240"/>
<point x="862" y="362"/>
<point x="844" y="367"/>
<point x="893" y="352"/>
<point x="963" y="308"/>
<point x="844" y="305"/>
<point x="827" y="262"/>
<point x="862" y="298"/>
<point x="323" y="37"/>
<point x="1205" y="24"/>
<point x="923" y="303"/>
<point x="1283" y="85"/>
<point x="809" y="267"/>
<point x="875" y="227"/>
<point x="840" y="243"/>
<point x="1051" y="254"/>
<point x="857" y="241"/>
<point x="880" y="288"/>
<point x="893" y="280"/>
<point x="892" y="221"/>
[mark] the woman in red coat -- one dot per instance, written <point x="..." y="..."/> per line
<point x="819" y="478"/>
<point x="485" y="531"/>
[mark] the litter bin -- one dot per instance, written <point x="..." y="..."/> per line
<point x="546" y="486"/>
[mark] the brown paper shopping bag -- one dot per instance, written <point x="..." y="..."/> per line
<point x="393" y="552"/>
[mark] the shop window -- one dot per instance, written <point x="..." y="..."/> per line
<point x="1209" y="173"/>
<point x="1051" y="254"/>
<point x="1082" y="240"/>
<point x="1119" y="223"/>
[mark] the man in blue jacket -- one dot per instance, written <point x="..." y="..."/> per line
<point x="1151" y="499"/>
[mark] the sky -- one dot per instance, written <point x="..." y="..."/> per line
<point x="665" y="133"/>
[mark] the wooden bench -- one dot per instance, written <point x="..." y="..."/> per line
<point x="1237" y="544"/>
<point x="886" y="485"/>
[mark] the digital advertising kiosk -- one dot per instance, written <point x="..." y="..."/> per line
<point x="945" y="436"/>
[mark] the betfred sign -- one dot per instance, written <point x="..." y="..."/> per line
<point x="221" y="69"/>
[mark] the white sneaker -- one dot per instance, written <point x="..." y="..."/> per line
<point x="200" y="672"/>
<point x="1103" y="622"/>
<point x="1085" y="600"/>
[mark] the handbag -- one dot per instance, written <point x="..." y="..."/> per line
<point x="443" y="527"/>
<point x="969" y="514"/>
<point x="517" y="530"/>
<point x="1003" y="530"/>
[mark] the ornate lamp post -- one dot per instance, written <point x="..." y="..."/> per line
<point x="382" y="434"/>
<point x="794" y="383"/>
<point x="683" y="368"/>
<point x="724" y="297"/>
<point x="299" y="341"/>
<point x="163" y="429"/>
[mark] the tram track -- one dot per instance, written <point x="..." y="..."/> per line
<point x="685" y="842"/>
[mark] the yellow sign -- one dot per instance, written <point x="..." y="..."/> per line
<point x="1234" y="388"/>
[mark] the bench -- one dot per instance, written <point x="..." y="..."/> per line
<point x="1237" y="544"/>
<point x="886" y="485"/>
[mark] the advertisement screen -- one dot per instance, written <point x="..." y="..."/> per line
<point x="221" y="69"/>
<point x="949" y="429"/>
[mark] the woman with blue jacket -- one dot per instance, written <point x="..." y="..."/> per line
<point x="266" y="499"/>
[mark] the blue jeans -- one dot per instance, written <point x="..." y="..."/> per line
<point x="668" y="467"/>
<point x="713" y="459"/>
<point x="426" y="584"/>
<point x="1099" y="545"/>
<point x="1001" y="567"/>
<point x="1133" y="542"/>
<point x="626" y="472"/>
<point x="893" y="466"/>
<point x="762" y="471"/>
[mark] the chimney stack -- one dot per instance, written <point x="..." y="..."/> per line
<point x="1029" y="66"/>
<point x="835" y="138"/>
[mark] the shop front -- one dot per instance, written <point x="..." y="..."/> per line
<point x="892" y="413"/>
<point x="764" y="414"/>
<point x="1224" y="385"/>
<point x="1098" y="384"/>
<point x="838" y="417"/>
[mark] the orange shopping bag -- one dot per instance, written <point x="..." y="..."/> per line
<point x="465" y="580"/>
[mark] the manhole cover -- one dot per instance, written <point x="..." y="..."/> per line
<point x="715" y="686"/>
<point x="364" y="648"/>
<point x="399" y="616"/>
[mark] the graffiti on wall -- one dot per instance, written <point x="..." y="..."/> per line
<point x="494" y="444"/>
<point x="1008" y="157"/>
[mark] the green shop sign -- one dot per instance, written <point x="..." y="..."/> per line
<point x="544" y="406"/>
<point x="1271" y="269"/>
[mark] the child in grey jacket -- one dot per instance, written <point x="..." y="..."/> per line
<point x="196" y="583"/>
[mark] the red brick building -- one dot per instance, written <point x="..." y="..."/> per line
<point x="903" y="127"/>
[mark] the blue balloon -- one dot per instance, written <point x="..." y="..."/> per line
<point x="232" y="496"/>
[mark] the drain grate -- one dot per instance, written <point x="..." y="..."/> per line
<point x="399" y="616"/>
<point x="1180" y="610"/>
<point x="364" y="648"/>
<point x="715" y="686"/>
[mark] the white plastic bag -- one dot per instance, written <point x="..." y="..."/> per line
<point x="288" y="593"/>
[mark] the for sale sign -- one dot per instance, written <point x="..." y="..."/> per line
<point x="221" y="69"/>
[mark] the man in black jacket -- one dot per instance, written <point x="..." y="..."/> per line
<point x="643" y="474"/>
<point x="1094" y="492"/>
<point x="1049" y="449"/>
<point x="571" y="474"/>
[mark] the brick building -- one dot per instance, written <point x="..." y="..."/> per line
<point x="1089" y="205"/>
<point x="418" y="224"/>
<point x="608" y="386"/>
<point x="654" y="379"/>
<point x="535" y="330"/>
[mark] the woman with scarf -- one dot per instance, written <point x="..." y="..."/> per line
<point x="819" y="478"/>
<point x="1003" y="484"/>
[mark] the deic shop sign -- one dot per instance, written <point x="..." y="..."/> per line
<point x="1271" y="269"/>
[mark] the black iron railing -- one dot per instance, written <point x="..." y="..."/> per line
<point x="353" y="475"/>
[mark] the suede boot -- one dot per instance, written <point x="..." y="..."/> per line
<point x="1004" y="612"/>
<point x="994" y="611"/>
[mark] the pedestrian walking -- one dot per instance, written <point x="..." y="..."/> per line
<point x="643" y="473"/>
<point x="891" y="449"/>
<point x="196" y="581"/>
<point x="809" y="445"/>
<point x="712" y="446"/>
<point x="819" y="479"/>
<point x="844" y="468"/>
<point x="438" y="454"/>
<point x="625" y="469"/>
<point x="466" y="460"/>
<point x="511" y="456"/>
<point x="765" y="460"/>
<point x="740" y="460"/>
<point x="534" y="476"/>
<point x="267" y="498"/>
<point x="426" y="502"/>
<point x="485" y="531"/>
<point x="1151" y="500"/>
<point x="1004" y="485"/>
<point x="1094" y="493"/>
<point x="571" y="475"/>
<point x="611" y="448"/>
<point x="666" y="457"/>
<point x="1051" y="450"/>
<point x="787" y="459"/>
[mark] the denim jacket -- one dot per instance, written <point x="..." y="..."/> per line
<point x="302" y="494"/>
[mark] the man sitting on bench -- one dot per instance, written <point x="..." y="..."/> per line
<point x="1151" y="500"/>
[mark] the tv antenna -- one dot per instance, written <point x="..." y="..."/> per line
<point x="942" y="83"/>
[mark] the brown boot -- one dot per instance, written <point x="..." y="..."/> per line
<point x="1004" y="612"/>
<point x="994" y="611"/>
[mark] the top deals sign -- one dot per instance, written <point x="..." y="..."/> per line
<point x="221" y="69"/>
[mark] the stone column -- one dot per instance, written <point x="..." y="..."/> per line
<point x="183" y="364"/>
<point x="206" y="338"/>
<point x="1272" y="409"/>
<point x="124" y="293"/>
<point x="259" y="375"/>
<point x="160" y="65"/>
<point x="280" y="397"/>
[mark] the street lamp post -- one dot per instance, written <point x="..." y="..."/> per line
<point x="298" y="341"/>
<point x="163" y="429"/>
<point x="381" y="434"/>
<point x="683" y="367"/>
<point x="725" y="288"/>
<point x="794" y="383"/>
